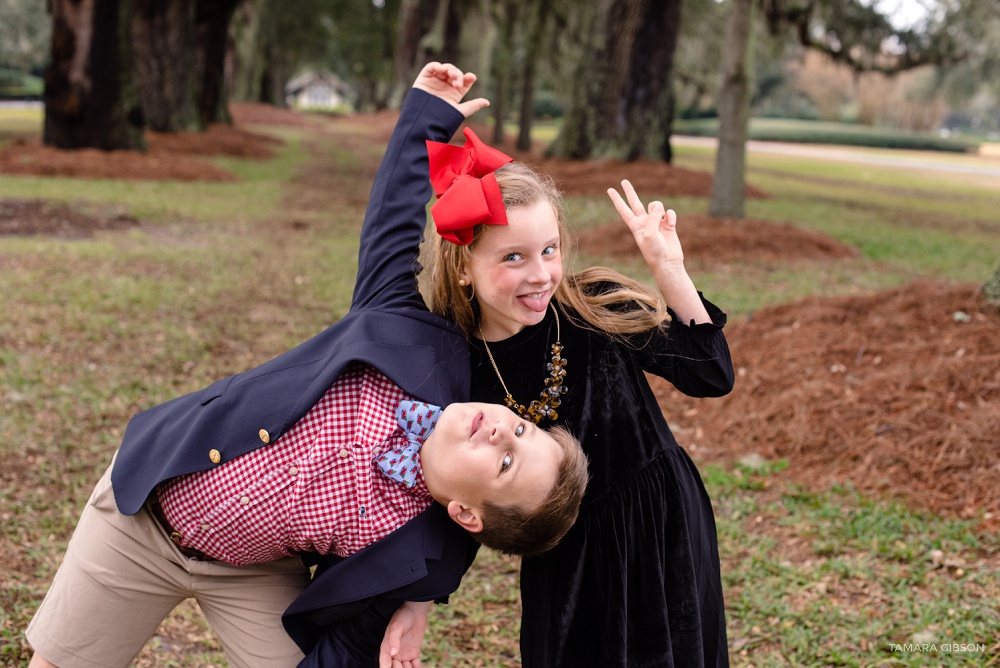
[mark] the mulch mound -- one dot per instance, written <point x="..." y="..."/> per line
<point x="247" y="113"/>
<point x="217" y="140"/>
<point x="716" y="240"/>
<point x="170" y="156"/>
<point x="23" y="217"/>
<point x="31" y="158"/>
<point x="897" y="392"/>
<point x="594" y="177"/>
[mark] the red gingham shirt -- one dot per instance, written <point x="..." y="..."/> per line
<point x="315" y="489"/>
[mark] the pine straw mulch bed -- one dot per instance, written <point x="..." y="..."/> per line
<point x="722" y="240"/>
<point x="24" y="217"/>
<point x="896" y="392"/>
<point x="181" y="156"/>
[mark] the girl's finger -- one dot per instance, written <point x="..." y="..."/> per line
<point x="671" y="218"/>
<point x="633" y="199"/>
<point x="623" y="209"/>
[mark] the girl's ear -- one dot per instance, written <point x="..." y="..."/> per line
<point x="463" y="274"/>
<point x="466" y="517"/>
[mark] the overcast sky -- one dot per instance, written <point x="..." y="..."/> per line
<point x="905" y="13"/>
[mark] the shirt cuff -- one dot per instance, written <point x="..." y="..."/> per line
<point x="714" y="312"/>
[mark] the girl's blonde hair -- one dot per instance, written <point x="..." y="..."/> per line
<point x="584" y="295"/>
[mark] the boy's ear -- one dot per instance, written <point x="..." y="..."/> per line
<point x="466" y="517"/>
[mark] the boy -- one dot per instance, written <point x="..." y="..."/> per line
<point x="229" y="494"/>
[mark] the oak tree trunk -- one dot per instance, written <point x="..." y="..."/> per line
<point x="247" y="61"/>
<point x="90" y="100"/>
<point x="428" y="30"/>
<point x="648" y="101"/>
<point x="585" y="114"/>
<point x="503" y="69"/>
<point x="530" y="65"/>
<point x="211" y="40"/>
<point x="729" y="182"/>
<point x="620" y="103"/>
<point x="162" y="39"/>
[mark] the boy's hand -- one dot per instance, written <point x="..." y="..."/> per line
<point x="404" y="636"/>
<point x="449" y="83"/>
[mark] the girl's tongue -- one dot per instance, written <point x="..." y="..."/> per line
<point x="537" y="301"/>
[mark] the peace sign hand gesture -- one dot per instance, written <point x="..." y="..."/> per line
<point x="655" y="232"/>
<point x="654" y="229"/>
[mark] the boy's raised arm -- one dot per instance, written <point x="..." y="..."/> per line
<point x="394" y="220"/>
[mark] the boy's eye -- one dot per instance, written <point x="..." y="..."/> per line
<point x="505" y="464"/>
<point x="519" y="429"/>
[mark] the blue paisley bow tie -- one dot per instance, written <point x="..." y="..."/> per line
<point x="417" y="420"/>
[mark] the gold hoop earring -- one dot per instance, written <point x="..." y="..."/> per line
<point x="472" y="295"/>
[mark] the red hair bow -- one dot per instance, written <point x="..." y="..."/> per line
<point x="466" y="187"/>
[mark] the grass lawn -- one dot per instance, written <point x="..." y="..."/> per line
<point x="219" y="277"/>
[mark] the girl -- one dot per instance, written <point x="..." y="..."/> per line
<point x="636" y="582"/>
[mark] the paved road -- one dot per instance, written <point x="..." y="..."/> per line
<point x="903" y="159"/>
<point x="20" y="104"/>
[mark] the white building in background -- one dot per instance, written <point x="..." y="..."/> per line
<point x="319" y="90"/>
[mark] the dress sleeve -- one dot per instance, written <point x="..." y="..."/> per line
<point x="397" y="206"/>
<point x="693" y="357"/>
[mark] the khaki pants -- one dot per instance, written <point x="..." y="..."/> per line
<point x="122" y="576"/>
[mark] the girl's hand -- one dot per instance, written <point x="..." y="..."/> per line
<point x="654" y="230"/>
<point x="449" y="83"/>
<point x="404" y="636"/>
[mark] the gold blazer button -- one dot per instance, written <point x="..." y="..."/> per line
<point x="264" y="436"/>
<point x="215" y="456"/>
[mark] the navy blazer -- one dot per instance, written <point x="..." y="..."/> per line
<point x="341" y="616"/>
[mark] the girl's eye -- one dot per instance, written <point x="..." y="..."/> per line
<point x="507" y="461"/>
<point x="549" y="250"/>
<point x="519" y="429"/>
<point x="513" y="257"/>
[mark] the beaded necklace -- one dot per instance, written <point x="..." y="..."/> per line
<point x="543" y="408"/>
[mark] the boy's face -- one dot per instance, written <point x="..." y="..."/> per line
<point x="487" y="453"/>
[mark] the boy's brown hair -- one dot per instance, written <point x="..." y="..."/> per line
<point x="515" y="530"/>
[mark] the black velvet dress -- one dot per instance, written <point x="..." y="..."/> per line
<point x="636" y="581"/>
